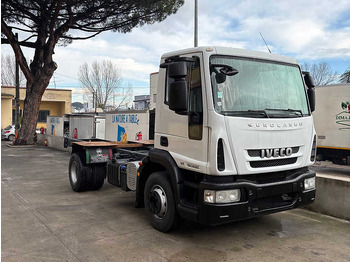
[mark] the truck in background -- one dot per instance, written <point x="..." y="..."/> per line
<point x="332" y="123"/>
<point x="234" y="138"/>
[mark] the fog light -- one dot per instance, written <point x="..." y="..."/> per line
<point x="309" y="183"/>
<point x="209" y="196"/>
<point x="224" y="196"/>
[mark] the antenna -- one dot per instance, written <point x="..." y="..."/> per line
<point x="265" y="43"/>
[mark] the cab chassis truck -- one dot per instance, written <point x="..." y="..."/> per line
<point x="234" y="138"/>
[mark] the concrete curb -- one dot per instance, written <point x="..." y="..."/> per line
<point x="332" y="196"/>
<point x="20" y="146"/>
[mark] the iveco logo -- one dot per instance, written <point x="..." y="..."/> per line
<point x="276" y="152"/>
<point x="275" y="125"/>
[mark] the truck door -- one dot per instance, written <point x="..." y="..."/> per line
<point x="185" y="133"/>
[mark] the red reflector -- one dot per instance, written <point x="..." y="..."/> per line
<point x="8" y="131"/>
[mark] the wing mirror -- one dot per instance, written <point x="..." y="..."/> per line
<point x="310" y="90"/>
<point x="178" y="89"/>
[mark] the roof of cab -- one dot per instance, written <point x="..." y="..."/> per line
<point x="216" y="50"/>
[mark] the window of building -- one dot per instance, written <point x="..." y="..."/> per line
<point x="42" y="116"/>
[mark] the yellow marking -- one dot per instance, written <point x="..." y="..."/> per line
<point x="331" y="147"/>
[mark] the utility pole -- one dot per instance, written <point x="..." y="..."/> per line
<point x="195" y="23"/>
<point x="17" y="113"/>
<point x="94" y="94"/>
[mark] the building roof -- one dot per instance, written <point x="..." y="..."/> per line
<point x="51" y="89"/>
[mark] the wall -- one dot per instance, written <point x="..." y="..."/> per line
<point x="124" y="126"/>
<point x="53" y="141"/>
<point x="153" y="90"/>
<point x="83" y="124"/>
<point x="55" y="108"/>
<point x="6" y="111"/>
<point x="55" y="126"/>
<point x="332" y="196"/>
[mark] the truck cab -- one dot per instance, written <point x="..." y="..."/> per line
<point x="238" y="129"/>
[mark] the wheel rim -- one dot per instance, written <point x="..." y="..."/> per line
<point x="158" y="201"/>
<point x="73" y="172"/>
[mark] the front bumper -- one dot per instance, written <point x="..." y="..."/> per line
<point x="256" y="199"/>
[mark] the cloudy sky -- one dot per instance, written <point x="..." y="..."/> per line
<point x="309" y="30"/>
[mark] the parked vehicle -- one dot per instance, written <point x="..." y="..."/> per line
<point x="332" y="123"/>
<point x="234" y="138"/>
<point x="8" y="132"/>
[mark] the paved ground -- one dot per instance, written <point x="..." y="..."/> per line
<point x="44" y="220"/>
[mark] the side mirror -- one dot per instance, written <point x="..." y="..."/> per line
<point x="178" y="96"/>
<point x="178" y="89"/>
<point x="311" y="90"/>
<point x="177" y="70"/>
<point x="309" y="81"/>
<point x="312" y="98"/>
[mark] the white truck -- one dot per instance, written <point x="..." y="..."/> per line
<point x="234" y="138"/>
<point x="332" y="123"/>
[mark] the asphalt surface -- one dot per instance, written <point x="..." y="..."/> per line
<point x="42" y="219"/>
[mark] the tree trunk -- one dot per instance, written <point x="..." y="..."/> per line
<point x="31" y="107"/>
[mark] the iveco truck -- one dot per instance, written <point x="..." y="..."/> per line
<point x="234" y="138"/>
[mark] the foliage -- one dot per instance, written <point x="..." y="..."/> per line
<point x="345" y="77"/>
<point x="44" y="24"/>
<point x="321" y="72"/>
<point x="77" y="105"/>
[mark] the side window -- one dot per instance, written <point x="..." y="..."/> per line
<point x="195" y="107"/>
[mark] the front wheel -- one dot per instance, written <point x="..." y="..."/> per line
<point x="159" y="202"/>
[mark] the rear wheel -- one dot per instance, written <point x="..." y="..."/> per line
<point x="97" y="176"/>
<point x="159" y="202"/>
<point x="78" y="173"/>
<point x="11" y="137"/>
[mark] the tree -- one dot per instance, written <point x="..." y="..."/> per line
<point x="45" y="24"/>
<point x="77" y="105"/>
<point x="103" y="80"/>
<point x="345" y="77"/>
<point x="321" y="72"/>
<point x="8" y="71"/>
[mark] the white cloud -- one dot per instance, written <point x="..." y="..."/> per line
<point x="311" y="29"/>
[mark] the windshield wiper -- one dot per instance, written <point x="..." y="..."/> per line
<point x="295" y="111"/>
<point x="256" y="113"/>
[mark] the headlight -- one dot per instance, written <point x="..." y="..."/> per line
<point x="309" y="183"/>
<point x="224" y="196"/>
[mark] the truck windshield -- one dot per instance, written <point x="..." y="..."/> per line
<point x="259" y="89"/>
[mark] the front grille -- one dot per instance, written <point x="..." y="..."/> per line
<point x="276" y="162"/>
<point x="257" y="152"/>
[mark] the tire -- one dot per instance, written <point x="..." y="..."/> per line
<point x="78" y="173"/>
<point x="159" y="202"/>
<point x="11" y="137"/>
<point x="97" y="177"/>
